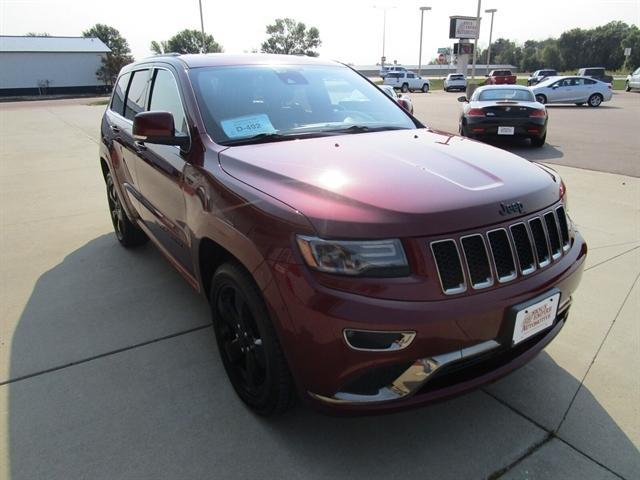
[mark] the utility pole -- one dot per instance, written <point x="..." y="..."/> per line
<point x="475" y="42"/>
<point x="422" y="10"/>
<point x="491" y="11"/>
<point x="203" y="49"/>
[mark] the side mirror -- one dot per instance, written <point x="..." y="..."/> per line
<point x="399" y="95"/>
<point x="158" y="128"/>
<point x="555" y="86"/>
<point x="462" y="99"/>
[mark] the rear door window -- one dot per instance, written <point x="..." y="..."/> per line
<point x="137" y="94"/>
<point x="117" y="102"/>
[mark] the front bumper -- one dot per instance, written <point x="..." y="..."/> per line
<point x="460" y="342"/>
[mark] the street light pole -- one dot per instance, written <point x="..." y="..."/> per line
<point x="204" y="45"/>
<point x="422" y="10"/>
<point x="475" y="43"/>
<point x="491" y="11"/>
<point x="384" y="31"/>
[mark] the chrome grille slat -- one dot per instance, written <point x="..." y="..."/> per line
<point x="564" y="227"/>
<point x="449" y="265"/>
<point x="553" y="234"/>
<point x="502" y="255"/>
<point x="524" y="248"/>
<point x="479" y="259"/>
<point x="540" y="242"/>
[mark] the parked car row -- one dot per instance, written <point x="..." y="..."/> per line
<point x="519" y="111"/>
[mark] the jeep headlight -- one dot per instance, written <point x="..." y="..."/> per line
<point x="366" y="258"/>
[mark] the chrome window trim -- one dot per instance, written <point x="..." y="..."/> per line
<point x="406" y="340"/>
<point x="534" y="254"/>
<point x="513" y="258"/>
<point x="456" y="290"/>
<point x="481" y="285"/>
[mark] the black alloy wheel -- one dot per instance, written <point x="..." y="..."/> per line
<point x="247" y="342"/>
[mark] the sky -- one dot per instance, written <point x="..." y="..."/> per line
<point x="351" y="30"/>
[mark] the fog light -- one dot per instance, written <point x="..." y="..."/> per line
<point x="378" y="341"/>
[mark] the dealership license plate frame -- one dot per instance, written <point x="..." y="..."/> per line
<point x="506" y="130"/>
<point x="518" y="313"/>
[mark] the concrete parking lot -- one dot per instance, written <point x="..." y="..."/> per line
<point x="108" y="367"/>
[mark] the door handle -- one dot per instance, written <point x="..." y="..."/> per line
<point x="114" y="128"/>
<point x="139" y="146"/>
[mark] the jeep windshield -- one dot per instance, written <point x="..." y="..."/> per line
<point x="258" y="104"/>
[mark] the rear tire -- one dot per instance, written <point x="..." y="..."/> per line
<point x="595" y="100"/>
<point x="248" y="344"/>
<point x="425" y="88"/>
<point x="404" y="88"/>
<point x="541" y="99"/>
<point x="538" y="142"/>
<point x="627" y="88"/>
<point x="128" y="234"/>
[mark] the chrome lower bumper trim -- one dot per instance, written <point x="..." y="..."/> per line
<point x="412" y="379"/>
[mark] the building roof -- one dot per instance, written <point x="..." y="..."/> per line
<point x="52" y="44"/>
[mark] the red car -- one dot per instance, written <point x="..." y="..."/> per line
<point x="349" y="254"/>
<point x="501" y="77"/>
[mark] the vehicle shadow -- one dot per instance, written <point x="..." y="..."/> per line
<point x="523" y="148"/>
<point x="165" y="409"/>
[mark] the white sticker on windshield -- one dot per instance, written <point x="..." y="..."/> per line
<point x="247" y="126"/>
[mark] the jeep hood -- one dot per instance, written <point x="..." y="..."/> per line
<point x="394" y="183"/>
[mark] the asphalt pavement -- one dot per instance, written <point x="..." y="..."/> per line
<point x="108" y="367"/>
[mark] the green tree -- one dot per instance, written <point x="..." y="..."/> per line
<point x="119" y="56"/>
<point x="632" y="41"/>
<point x="571" y="45"/>
<point x="187" y="41"/>
<point x="289" y="37"/>
<point x="550" y="56"/>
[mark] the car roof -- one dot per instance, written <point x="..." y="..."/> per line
<point x="502" y="87"/>
<point x="228" y="59"/>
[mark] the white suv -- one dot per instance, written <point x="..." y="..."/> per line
<point x="384" y="71"/>
<point x="407" y="81"/>
<point x="455" y="81"/>
<point x="633" y="80"/>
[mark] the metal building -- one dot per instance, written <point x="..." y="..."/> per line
<point x="50" y="65"/>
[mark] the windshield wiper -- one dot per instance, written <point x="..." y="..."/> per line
<point x="267" y="137"/>
<point x="366" y="128"/>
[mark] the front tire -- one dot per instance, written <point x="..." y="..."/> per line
<point x="595" y="100"/>
<point x="128" y="234"/>
<point x="541" y="99"/>
<point x="627" y="88"/>
<point x="404" y="88"/>
<point x="248" y="344"/>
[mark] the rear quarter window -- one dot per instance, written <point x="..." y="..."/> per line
<point x="117" y="100"/>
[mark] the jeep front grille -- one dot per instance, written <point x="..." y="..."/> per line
<point x="501" y="254"/>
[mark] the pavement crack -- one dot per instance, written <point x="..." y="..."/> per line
<point x="103" y="355"/>
<point x="595" y="356"/>
<point x="614" y="245"/>
<point x="612" y="258"/>
<point x="530" y="451"/>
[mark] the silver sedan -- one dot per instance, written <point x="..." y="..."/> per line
<point x="578" y="90"/>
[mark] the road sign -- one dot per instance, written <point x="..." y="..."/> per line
<point x="627" y="51"/>
<point x="443" y="51"/>
<point x="463" y="27"/>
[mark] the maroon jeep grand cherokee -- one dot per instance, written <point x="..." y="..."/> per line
<point x="348" y="252"/>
